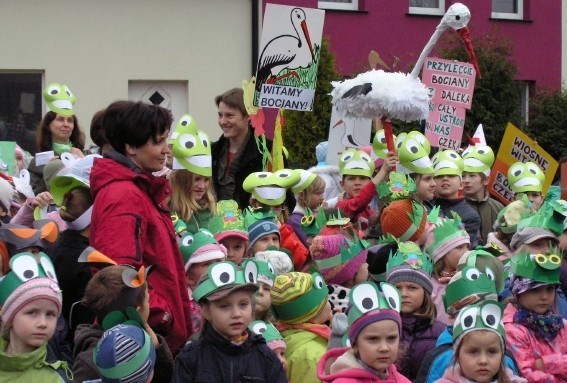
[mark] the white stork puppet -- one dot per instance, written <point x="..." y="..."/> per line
<point x="385" y="95"/>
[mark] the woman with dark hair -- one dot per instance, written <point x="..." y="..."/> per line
<point x="131" y="222"/>
<point x="58" y="133"/>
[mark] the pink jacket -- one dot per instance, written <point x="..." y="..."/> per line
<point x="453" y="375"/>
<point x="527" y="349"/>
<point x="339" y="365"/>
<point x="437" y="296"/>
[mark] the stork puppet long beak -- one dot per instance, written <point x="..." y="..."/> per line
<point x="307" y="38"/>
<point x="466" y="38"/>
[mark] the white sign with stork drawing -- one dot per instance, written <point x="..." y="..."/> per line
<point x="286" y="74"/>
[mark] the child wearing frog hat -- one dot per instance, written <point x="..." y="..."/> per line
<point x="226" y="349"/>
<point x="448" y="168"/>
<point x="301" y="308"/>
<point x="273" y="338"/>
<point x="527" y="178"/>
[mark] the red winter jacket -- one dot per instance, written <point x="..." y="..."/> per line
<point x="131" y="225"/>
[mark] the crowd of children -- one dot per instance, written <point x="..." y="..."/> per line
<point x="410" y="273"/>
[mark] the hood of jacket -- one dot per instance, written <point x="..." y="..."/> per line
<point x="86" y="337"/>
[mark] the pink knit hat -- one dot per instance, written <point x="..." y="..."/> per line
<point x="209" y="252"/>
<point x="336" y="266"/>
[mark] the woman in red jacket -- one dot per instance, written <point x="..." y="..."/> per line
<point x="130" y="221"/>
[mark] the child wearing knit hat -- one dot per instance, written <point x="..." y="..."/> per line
<point x="342" y="263"/>
<point x="30" y="303"/>
<point x="374" y="335"/>
<point x="449" y="241"/>
<point x="409" y="269"/>
<point x="406" y="220"/>
<point x="263" y="231"/>
<point x="479" y="344"/>
<point x="273" y="338"/>
<point x="301" y="308"/>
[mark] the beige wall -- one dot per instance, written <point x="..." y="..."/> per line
<point x="95" y="47"/>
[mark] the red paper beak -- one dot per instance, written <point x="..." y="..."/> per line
<point x="466" y="38"/>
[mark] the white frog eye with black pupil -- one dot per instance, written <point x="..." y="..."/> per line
<point x="223" y="273"/>
<point x="346" y="156"/>
<point x="259" y="328"/>
<point x="25" y="266"/>
<point x="262" y="175"/>
<point x="68" y="91"/>
<point x="185" y="120"/>
<point x="482" y="151"/>
<point x="468" y="318"/>
<point x="283" y="174"/>
<point x="318" y="281"/>
<point x="412" y="146"/>
<point x="467" y="151"/>
<point x="187" y="240"/>
<point x="271" y="268"/>
<point x="47" y="267"/>
<point x="53" y="90"/>
<point x="491" y="315"/>
<point x="365" y="157"/>
<point x="392" y="296"/>
<point x="532" y="168"/>
<point x="365" y="297"/>
<point x="204" y="139"/>
<point x="453" y="155"/>
<point x="489" y="273"/>
<point x="472" y="274"/>
<point x="382" y="136"/>
<point x="207" y="233"/>
<point x="251" y="271"/>
<point x="188" y="141"/>
<point x="516" y="170"/>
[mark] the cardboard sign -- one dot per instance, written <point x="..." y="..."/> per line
<point x="286" y="73"/>
<point x="516" y="146"/>
<point x="452" y="82"/>
<point x="445" y="125"/>
<point x="346" y="132"/>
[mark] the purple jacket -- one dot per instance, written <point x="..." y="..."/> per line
<point x="418" y="337"/>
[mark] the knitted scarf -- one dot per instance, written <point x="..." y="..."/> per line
<point x="545" y="327"/>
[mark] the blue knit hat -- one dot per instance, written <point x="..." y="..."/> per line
<point x="125" y="353"/>
<point x="321" y="153"/>
<point x="261" y="228"/>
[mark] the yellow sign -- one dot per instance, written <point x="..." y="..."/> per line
<point x="516" y="146"/>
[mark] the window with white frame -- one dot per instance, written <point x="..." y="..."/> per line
<point x="508" y="9"/>
<point x="427" y="7"/>
<point x="341" y="5"/>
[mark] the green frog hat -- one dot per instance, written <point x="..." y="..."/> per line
<point x="306" y="178"/>
<point x="478" y="159"/>
<point x="76" y="172"/>
<point x="191" y="148"/>
<point x="487" y="263"/>
<point x="354" y="162"/>
<point x="379" y="146"/>
<point x="486" y="316"/>
<point x="413" y="153"/>
<point x="270" y="188"/>
<point x="59" y="99"/>
<point x="448" y="162"/>
<point x="200" y="247"/>
<point x="466" y="287"/>
<point x="271" y="335"/>
<point x="540" y="268"/>
<point x="222" y="279"/>
<point x="525" y="177"/>
<point x="263" y="271"/>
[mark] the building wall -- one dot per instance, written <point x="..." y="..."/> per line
<point x="386" y="26"/>
<point x="97" y="46"/>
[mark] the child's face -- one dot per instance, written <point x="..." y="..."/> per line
<point x="262" y="298"/>
<point x="353" y="184"/>
<point x="473" y="184"/>
<point x="316" y="198"/>
<point x="538" y="300"/>
<point x="265" y="241"/>
<point x="453" y="256"/>
<point x="377" y="344"/>
<point x="536" y="198"/>
<point x="426" y="187"/>
<point x="197" y="270"/>
<point x="447" y="186"/>
<point x="540" y="245"/>
<point x="231" y="315"/>
<point x="280" y="353"/>
<point x="412" y="296"/>
<point x="362" y="274"/>
<point x="480" y="356"/>
<point x="33" y="326"/>
<point x="324" y="316"/>
<point x="199" y="187"/>
<point x="144" y="310"/>
<point x="236" y="249"/>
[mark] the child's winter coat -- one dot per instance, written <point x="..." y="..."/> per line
<point x="453" y="375"/>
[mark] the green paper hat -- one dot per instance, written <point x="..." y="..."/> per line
<point x="433" y="215"/>
<point x="556" y="214"/>
<point x="399" y="185"/>
<point x="348" y="252"/>
<point x="228" y="218"/>
<point x="312" y="224"/>
<point x="446" y="230"/>
<point x="263" y="271"/>
<point x="270" y="188"/>
<point x="59" y="99"/>
<point x="525" y="177"/>
<point x="305" y="180"/>
<point x="252" y="215"/>
<point x="224" y="275"/>
<point x="542" y="268"/>
<point x="509" y="217"/>
<point x="191" y="148"/>
<point x="468" y="282"/>
<point x="410" y="254"/>
<point x="130" y="317"/>
<point x="413" y="153"/>
<point x="487" y="264"/>
<point x="379" y="146"/>
<point x="484" y="316"/>
<point x="266" y="329"/>
<point x="75" y="173"/>
<point x="448" y="162"/>
<point x="366" y="297"/>
<point x="337" y="220"/>
<point x="354" y="162"/>
<point x="478" y="159"/>
<point x="190" y="242"/>
<point x="178" y="224"/>
<point x="25" y="267"/>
